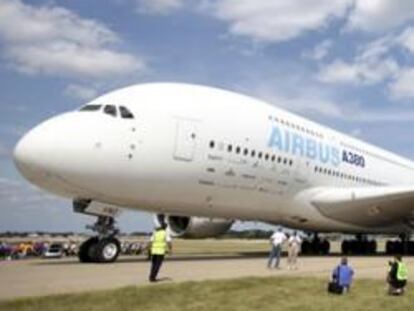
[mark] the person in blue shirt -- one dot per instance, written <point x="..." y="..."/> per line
<point x="342" y="276"/>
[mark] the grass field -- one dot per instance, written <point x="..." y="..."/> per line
<point x="280" y="294"/>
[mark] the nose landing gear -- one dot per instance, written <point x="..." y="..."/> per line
<point x="104" y="247"/>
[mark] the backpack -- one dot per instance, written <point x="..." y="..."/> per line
<point x="334" y="288"/>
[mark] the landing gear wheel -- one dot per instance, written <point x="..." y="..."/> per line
<point x="107" y="250"/>
<point x="86" y="250"/>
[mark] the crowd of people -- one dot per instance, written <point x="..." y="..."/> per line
<point x="27" y="249"/>
<point x="342" y="275"/>
<point x="30" y="249"/>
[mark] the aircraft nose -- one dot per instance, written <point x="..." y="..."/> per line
<point x="32" y="153"/>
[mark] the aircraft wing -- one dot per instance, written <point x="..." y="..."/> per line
<point x="368" y="207"/>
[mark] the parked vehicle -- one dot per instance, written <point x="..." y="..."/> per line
<point x="55" y="250"/>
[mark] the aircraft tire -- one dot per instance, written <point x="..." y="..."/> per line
<point x="107" y="250"/>
<point x="305" y="248"/>
<point x="325" y="246"/>
<point x="85" y="253"/>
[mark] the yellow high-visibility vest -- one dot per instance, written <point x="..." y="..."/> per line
<point x="402" y="272"/>
<point x="159" y="245"/>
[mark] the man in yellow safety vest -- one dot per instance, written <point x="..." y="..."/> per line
<point x="159" y="245"/>
<point x="397" y="276"/>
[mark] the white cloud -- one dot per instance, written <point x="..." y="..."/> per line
<point x="402" y="87"/>
<point x="320" y="51"/>
<point x="158" y="7"/>
<point x="339" y="72"/>
<point x="80" y="91"/>
<point x="55" y="41"/>
<point x="372" y="64"/>
<point x="361" y="72"/>
<point x="379" y="15"/>
<point x="406" y="39"/>
<point x="274" y="21"/>
<point x="70" y="59"/>
<point x="377" y="62"/>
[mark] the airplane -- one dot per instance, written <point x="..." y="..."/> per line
<point x="200" y="158"/>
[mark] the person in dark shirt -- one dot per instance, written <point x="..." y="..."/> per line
<point x="397" y="276"/>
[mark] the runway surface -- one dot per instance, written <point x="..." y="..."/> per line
<point x="44" y="277"/>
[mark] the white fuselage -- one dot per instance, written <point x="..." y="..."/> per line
<point x="198" y="151"/>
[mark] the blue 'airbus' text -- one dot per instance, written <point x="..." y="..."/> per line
<point x="294" y="143"/>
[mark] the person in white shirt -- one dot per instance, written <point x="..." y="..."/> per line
<point x="276" y="240"/>
<point x="294" y="243"/>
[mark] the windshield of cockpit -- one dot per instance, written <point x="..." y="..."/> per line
<point x="111" y="110"/>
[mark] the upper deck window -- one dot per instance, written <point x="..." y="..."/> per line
<point x="91" y="108"/>
<point x="125" y="113"/>
<point x="111" y="110"/>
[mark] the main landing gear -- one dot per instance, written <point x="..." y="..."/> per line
<point x="315" y="246"/>
<point x="104" y="247"/>
<point x="402" y="247"/>
<point x="359" y="246"/>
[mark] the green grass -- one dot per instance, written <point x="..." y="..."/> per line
<point x="271" y="293"/>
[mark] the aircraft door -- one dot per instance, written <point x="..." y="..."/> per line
<point x="185" y="140"/>
<point x="302" y="171"/>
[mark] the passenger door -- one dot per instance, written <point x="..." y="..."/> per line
<point x="185" y="139"/>
<point x="302" y="171"/>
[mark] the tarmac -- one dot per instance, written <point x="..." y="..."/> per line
<point x="39" y="277"/>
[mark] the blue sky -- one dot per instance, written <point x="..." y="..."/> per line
<point x="348" y="64"/>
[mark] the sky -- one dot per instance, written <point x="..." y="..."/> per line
<point x="348" y="64"/>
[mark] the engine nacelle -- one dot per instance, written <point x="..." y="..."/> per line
<point x="195" y="227"/>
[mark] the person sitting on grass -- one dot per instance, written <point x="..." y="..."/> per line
<point x="341" y="278"/>
<point x="397" y="276"/>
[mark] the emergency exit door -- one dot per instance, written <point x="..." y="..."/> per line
<point x="185" y="140"/>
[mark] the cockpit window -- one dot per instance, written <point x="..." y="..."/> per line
<point x="125" y="113"/>
<point x="111" y="110"/>
<point x="91" y="108"/>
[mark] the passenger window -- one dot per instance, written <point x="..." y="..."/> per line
<point x="253" y="153"/>
<point x="238" y="149"/>
<point x="125" y="113"/>
<point x="229" y="148"/>
<point x="111" y="110"/>
<point x="211" y="144"/>
<point x="91" y="108"/>
<point x="245" y="151"/>
<point x="260" y="154"/>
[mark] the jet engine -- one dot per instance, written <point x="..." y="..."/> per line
<point x="194" y="227"/>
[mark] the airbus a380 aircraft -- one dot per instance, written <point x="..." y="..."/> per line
<point x="204" y="157"/>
